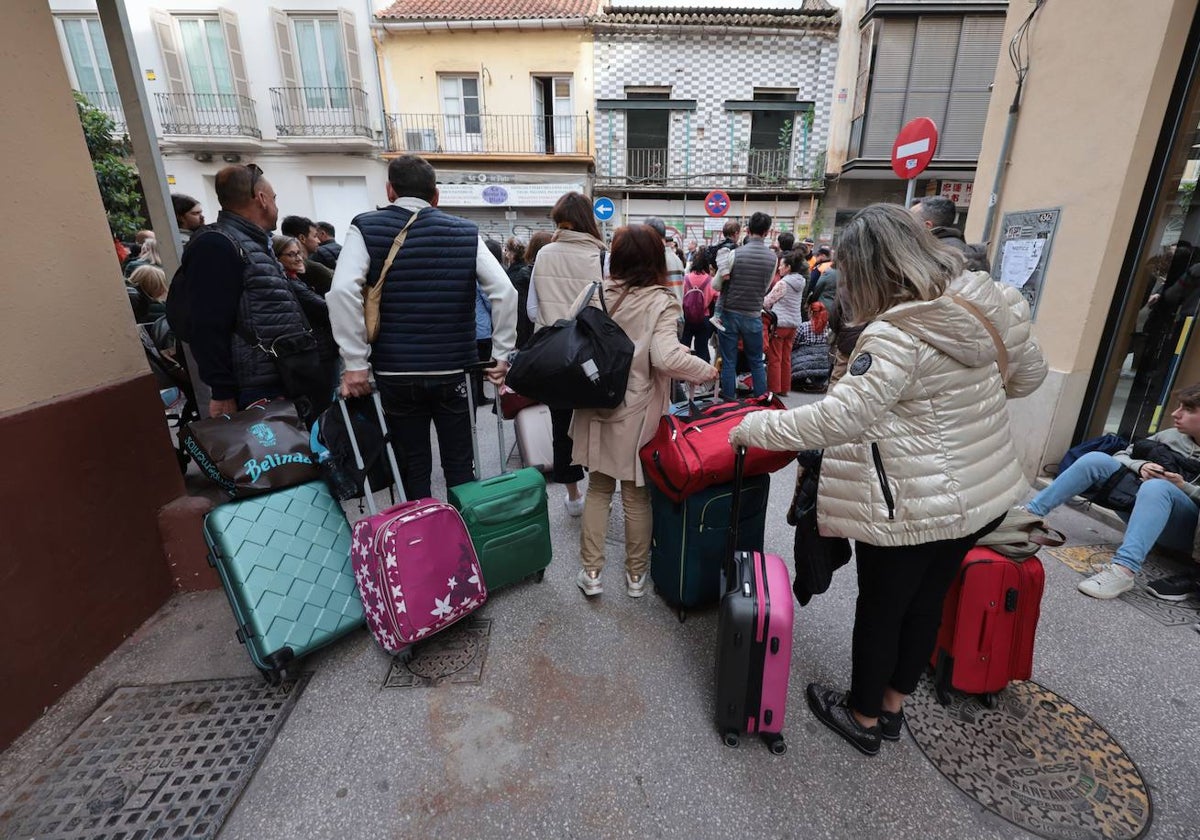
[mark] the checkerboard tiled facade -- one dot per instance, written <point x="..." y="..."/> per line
<point x="713" y="68"/>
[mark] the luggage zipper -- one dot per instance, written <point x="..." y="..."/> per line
<point x="666" y="479"/>
<point x="883" y="482"/>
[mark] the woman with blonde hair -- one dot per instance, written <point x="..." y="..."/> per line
<point x="149" y="298"/>
<point x="147" y="256"/>
<point x="607" y="441"/>
<point x="561" y="270"/>
<point x="918" y="459"/>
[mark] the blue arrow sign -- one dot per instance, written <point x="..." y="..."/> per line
<point x="603" y="208"/>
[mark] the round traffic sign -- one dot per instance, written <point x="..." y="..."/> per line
<point x="604" y="208"/>
<point x="914" y="147"/>
<point x="716" y="203"/>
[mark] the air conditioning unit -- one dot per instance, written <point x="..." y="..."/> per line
<point x="420" y="140"/>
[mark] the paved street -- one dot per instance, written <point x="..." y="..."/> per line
<point x="593" y="720"/>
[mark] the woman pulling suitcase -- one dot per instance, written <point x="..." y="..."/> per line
<point x="919" y="460"/>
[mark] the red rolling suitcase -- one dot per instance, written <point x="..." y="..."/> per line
<point x="989" y="620"/>
<point x="754" y="638"/>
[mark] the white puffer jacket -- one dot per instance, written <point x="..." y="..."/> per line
<point x="916" y="435"/>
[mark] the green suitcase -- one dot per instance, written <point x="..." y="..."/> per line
<point x="507" y="517"/>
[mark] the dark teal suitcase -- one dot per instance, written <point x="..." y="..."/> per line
<point x="284" y="560"/>
<point x="690" y="540"/>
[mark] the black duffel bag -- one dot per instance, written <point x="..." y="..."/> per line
<point x="1118" y="492"/>
<point x="582" y="362"/>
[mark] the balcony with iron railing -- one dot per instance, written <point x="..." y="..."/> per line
<point x="709" y="168"/>
<point x="320" y="112"/>
<point x="108" y="102"/>
<point x="489" y="134"/>
<point x="219" y="115"/>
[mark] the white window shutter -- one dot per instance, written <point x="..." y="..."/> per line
<point x="287" y="52"/>
<point x="350" y="37"/>
<point x="164" y="28"/>
<point x="233" y="43"/>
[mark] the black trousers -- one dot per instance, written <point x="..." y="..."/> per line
<point x="411" y="403"/>
<point x="565" y="471"/>
<point x="899" y="612"/>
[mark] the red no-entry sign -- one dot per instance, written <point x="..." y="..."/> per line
<point x="914" y="147"/>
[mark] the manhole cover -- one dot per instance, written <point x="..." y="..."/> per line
<point x="153" y="761"/>
<point x="1036" y="760"/>
<point x="456" y="655"/>
<point x="1171" y="613"/>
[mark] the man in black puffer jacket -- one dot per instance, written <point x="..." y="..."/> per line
<point x="938" y="214"/>
<point x="237" y="296"/>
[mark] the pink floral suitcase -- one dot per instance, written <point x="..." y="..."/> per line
<point x="416" y="571"/>
<point x="414" y="563"/>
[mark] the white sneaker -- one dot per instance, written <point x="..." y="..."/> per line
<point x="590" y="585"/>
<point x="716" y="322"/>
<point x="1108" y="583"/>
<point x="635" y="587"/>
<point x="574" y="506"/>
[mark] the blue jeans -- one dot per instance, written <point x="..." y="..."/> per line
<point x="1162" y="513"/>
<point x="750" y="330"/>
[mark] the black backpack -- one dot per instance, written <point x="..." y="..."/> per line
<point x="179" y="300"/>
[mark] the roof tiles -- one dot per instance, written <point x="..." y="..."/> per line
<point x="488" y="9"/>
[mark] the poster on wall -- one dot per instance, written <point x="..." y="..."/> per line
<point x="1026" y="237"/>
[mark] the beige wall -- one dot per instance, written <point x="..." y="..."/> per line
<point x="411" y="61"/>
<point x="1091" y="115"/>
<point x="66" y="323"/>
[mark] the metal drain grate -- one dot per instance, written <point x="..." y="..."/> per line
<point x="153" y="761"/>
<point x="1036" y="760"/>
<point x="1170" y="613"/>
<point x="456" y="656"/>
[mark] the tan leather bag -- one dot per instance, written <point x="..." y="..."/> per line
<point x="374" y="292"/>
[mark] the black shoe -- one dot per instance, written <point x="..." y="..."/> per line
<point x="891" y="725"/>
<point x="831" y="708"/>
<point x="1173" y="588"/>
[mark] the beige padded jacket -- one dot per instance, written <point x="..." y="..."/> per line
<point x="916" y="435"/>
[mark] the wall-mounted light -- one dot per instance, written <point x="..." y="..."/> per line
<point x="231" y="157"/>
<point x="202" y="157"/>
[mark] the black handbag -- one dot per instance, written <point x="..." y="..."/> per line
<point x="1118" y="492"/>
<point x="582" y="362"/>
<point x="817" y="557"/>
<point x="305" y="380"/>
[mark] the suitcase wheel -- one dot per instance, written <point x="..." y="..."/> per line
<point x="681" y="613"/>
<point x="731" y="738"/>
<point x="540" y="576"/>
<point x="273" y="676"/>
<point x="405" y="656"/>
<point x="775" y="744"/>
<point x="990" y="700"/>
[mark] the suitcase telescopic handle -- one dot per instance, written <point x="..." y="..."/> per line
<point x="735" y="502"/>
<point x="478" y="466"/>
<point x="387" y="446"/>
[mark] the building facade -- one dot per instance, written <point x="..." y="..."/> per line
<point x="498" y="97"/>
<point x="903" y="59"/>
<point x="292" y="87"/>
<point x="695" y="98"/>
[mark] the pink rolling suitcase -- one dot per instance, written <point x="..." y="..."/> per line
<point x="414" y="563"/>
<point x="754" y="639"/>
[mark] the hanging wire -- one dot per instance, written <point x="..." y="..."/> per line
<point x="1018" y="47"/>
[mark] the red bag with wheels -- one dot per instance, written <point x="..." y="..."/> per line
<point x="989" y="620"/>
<point x="690" y="451"/>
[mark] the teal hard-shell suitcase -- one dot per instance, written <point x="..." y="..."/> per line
<point x="284" y="560"/>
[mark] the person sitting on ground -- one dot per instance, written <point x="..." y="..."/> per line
<point x="919" y="459"/>
<point x="1165" y="511"/>
<point x="606" y="441"/>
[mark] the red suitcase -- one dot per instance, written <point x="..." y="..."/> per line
<point x="989" y="620"/>
<point x="691" y="451"/>
<point x="754" y="639"/>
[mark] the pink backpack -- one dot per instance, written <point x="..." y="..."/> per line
<point x="695" y="308"/>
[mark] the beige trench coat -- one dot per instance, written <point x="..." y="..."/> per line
<point x="608" y="440"/>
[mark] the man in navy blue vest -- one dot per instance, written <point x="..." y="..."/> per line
<point x="427" y="320"/>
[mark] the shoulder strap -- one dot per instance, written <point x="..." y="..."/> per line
<point x="395" y="249"/>
<point x="1001" y="350"/>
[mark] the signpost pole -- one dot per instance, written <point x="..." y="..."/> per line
<point x="910" y="193"/>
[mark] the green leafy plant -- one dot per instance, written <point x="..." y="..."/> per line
<point x="117" y="180"/>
